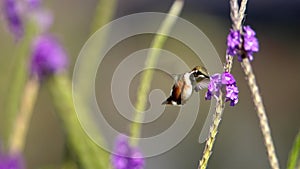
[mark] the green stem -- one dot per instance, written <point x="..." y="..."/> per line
<point x="89" y="153"/>
<point x="104" y="12"/>
<point x="294" y="154"/>
<point x="143" y="90"/>
<point x="18" y="77"/>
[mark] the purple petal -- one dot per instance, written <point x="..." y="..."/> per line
<point x="122" y="147"/>
<point x="251" y="44"/>
<point x="13" y="17"/>
<point x="14" y="161"/>
<point x="43" y="19"/>
<point x="48" y="57"/>
<point x="208" y="95"/>
<point x="227" y="78"/>
<point x="249" y="32"/>
<point x="233" y="42"/>
<point x="34" y="4"/>
<point x="126" y="157"/>
<point x="232" y="94"/>
<point x="137" y="160"/>
<point x="233" y="39"/>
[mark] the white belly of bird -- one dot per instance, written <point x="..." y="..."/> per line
<point x="188" y="88"/>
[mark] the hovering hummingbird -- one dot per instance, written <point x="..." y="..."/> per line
<point x="185" y="84"/>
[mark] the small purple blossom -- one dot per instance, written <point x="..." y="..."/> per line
<point x="233" y="42"/>
<point x="232" y="92"/>
<point x="48" y="57"/>
<point x="227" y="79"/>
<point x="250" y="42"/>
<point x="217" y="81"/>
<point x="243" y="45"/>
<point x="12" y="161"/>
<point x="214" y="86"/>
<point x="13" y="18"/>
<point x="126" y="157"/>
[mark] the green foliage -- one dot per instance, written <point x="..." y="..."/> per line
<point x="18" y="77"/>
<point x="89" y="154"/>
<point x="294" y="154"/>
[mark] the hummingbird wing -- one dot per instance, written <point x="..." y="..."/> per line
<point x="203" y="84"/>
<point x="175" y="95"/>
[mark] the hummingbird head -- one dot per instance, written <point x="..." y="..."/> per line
<point x="200" y="73"/>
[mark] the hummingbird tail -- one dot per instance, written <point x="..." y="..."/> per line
<point x="170" y="101"/>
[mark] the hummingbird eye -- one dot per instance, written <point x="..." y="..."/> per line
<point x="198" y="74"/>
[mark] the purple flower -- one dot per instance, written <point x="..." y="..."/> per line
<point x="217" y="81"/>
<point x="232" y="92"/>
<point x="242" y="45"/>
<point x="227" y="79"/>
<point x="14" y="161"/>
<point x="13" y="17"/>
<point x="214" y="86"/>
<point x="33" y="4"/>
<point x="233" y="42"/>
<point x="48" y="57"/>
<point x="250" y="42"/>
<point x="126" y="157"/>
<point x="43" y="19"/>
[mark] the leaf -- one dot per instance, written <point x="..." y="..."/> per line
<point x="294" y="154"/>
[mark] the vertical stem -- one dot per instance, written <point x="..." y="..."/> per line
<point x="241" y="13"/>
<point x="294" y="156"/>
<point x="263" y="120"/>
<point x="212" y="133"/>
<point x="234" y="14"/>
<point x="18" y="77"/>
<point x="237" y="15"/>
<point x="104" y="12"/>
<point x="20" y="129"/>
<point x="143" y="90"/>
<point x="89" y="154"/>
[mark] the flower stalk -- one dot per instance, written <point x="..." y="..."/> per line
<point x="19" y="133"/>
<point x="263" y="120"/>
<point x="18" y="78"/>
<point x="87" y="151"/>
<point x="237" y="15"/>
<point x="212" y="132"/>
<point x="143" y="90"/>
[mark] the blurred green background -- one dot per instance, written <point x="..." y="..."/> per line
<point x="239" y="142"/>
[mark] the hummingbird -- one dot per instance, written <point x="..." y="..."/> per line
<point x="184" y="85"/>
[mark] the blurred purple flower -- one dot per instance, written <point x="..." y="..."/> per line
<point x="216" y="83"/>
<point x="33" y="4"/>
<point x="43" y="19"/>
<point x="48" y="57"/>
<point x="242" y="45"/>
<point x="126" y="157"/>
<point x="11" y="161"/>
<point x="13" y="18"/>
